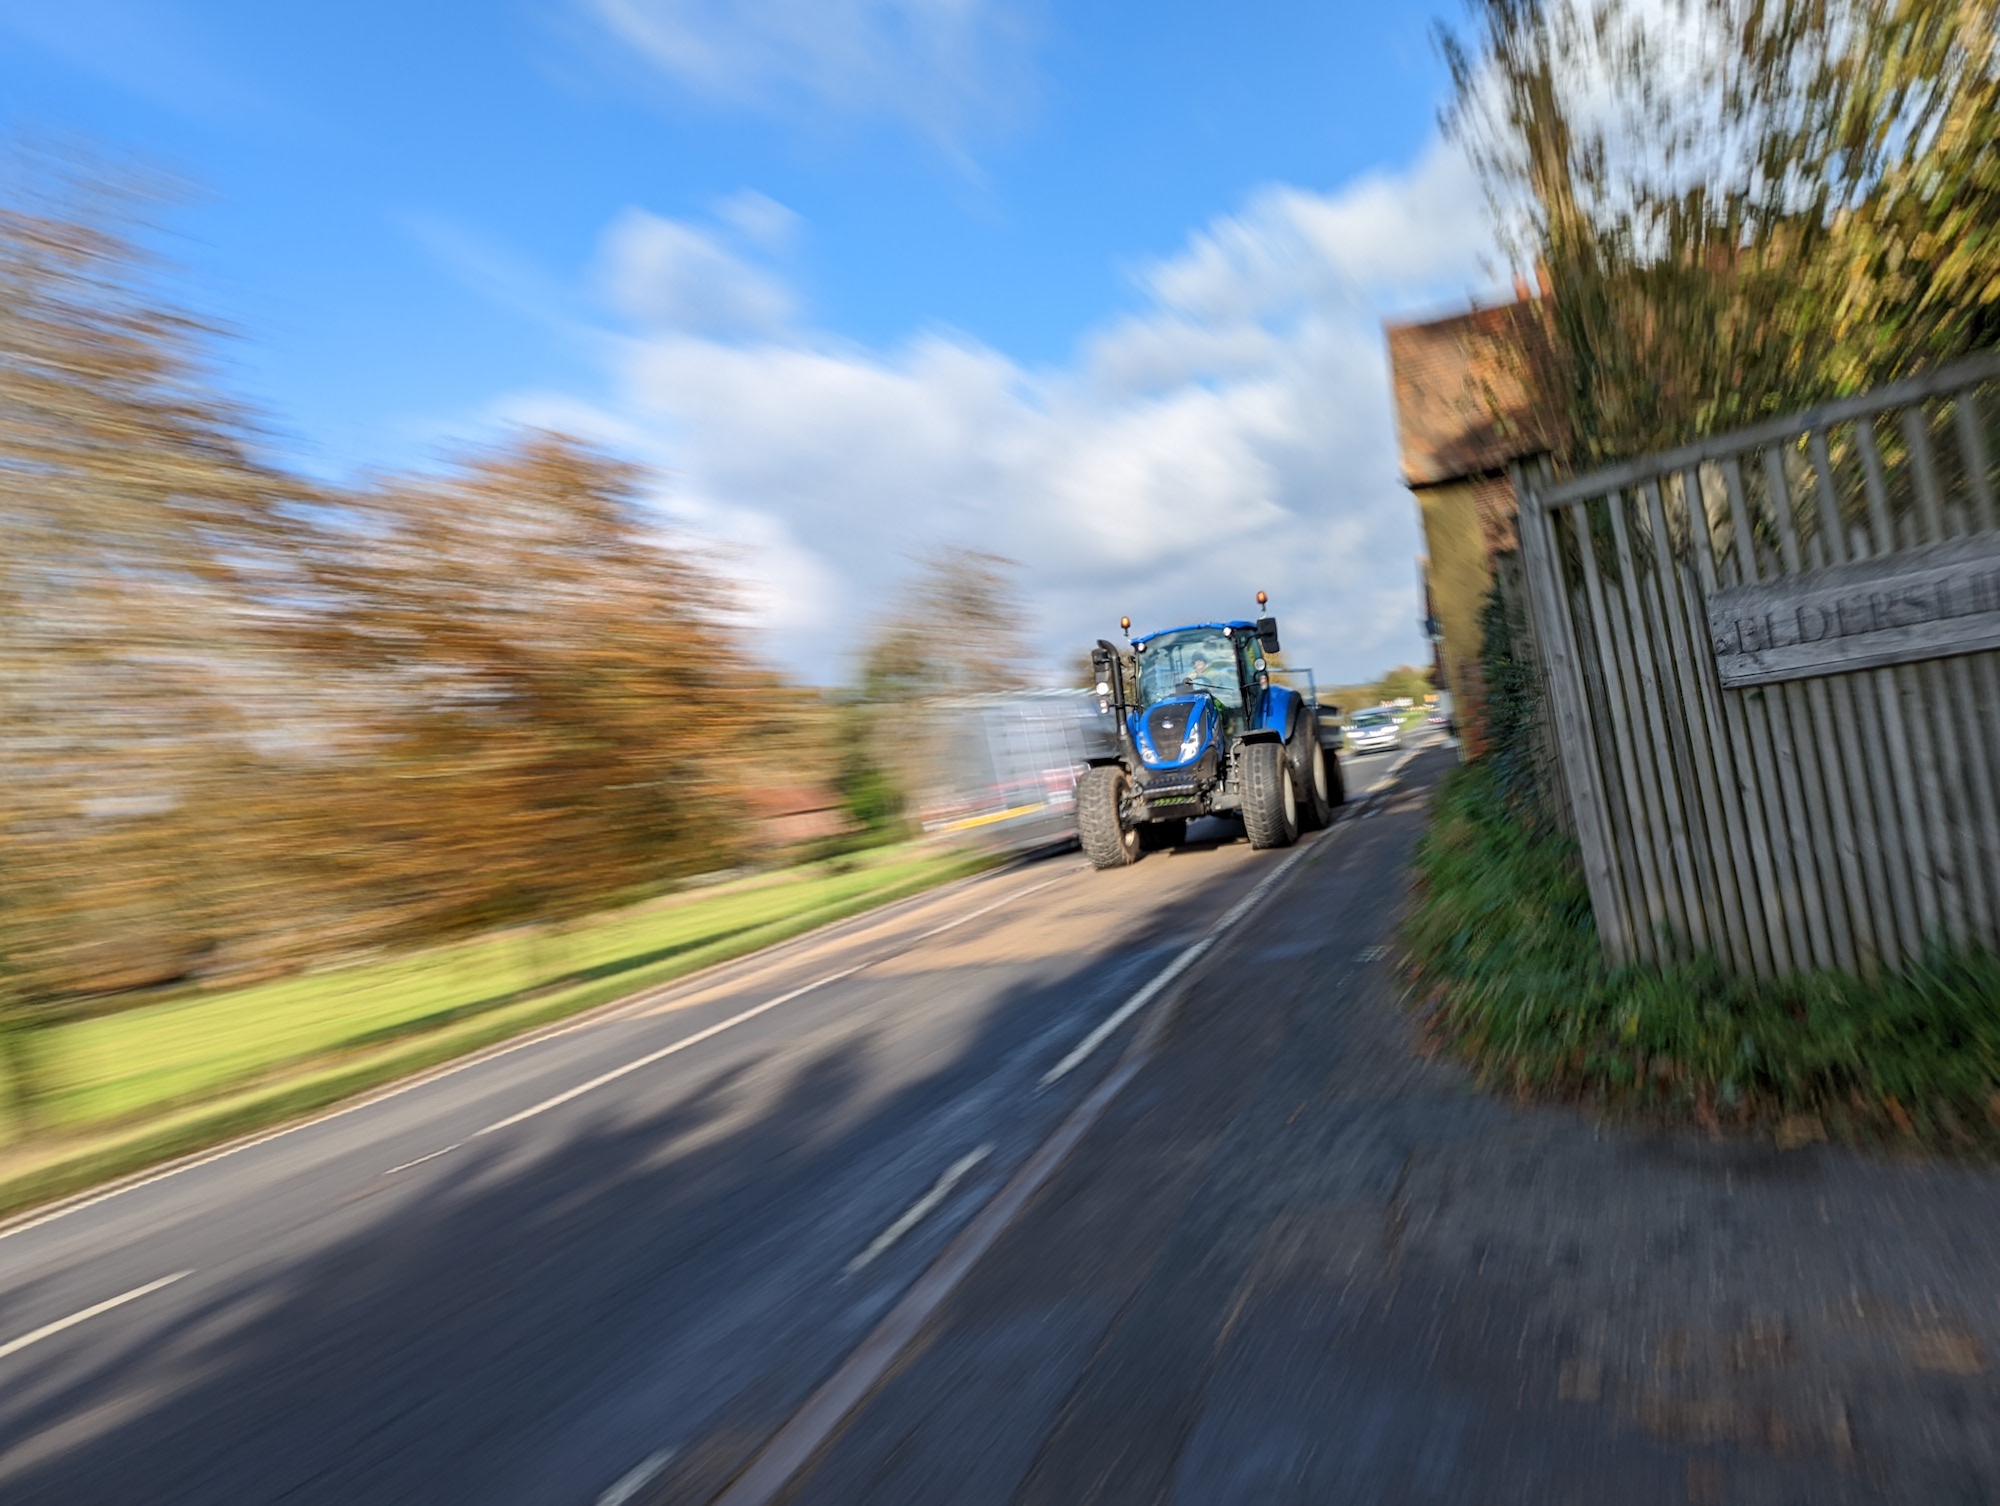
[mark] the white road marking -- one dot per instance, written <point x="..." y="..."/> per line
<point x="616" y="1010"/>
<point x="1389" y="774"/>
<point x="917" y="1211"/>
<point x="952" y="925"/>
<point x="421" y="1159"/>
<point x="665" y="1051"/>
<point x="636" y="1478"/>
<point x="569" y="1094"/>
<point x="1194" y="953"/>
<point x="809" y="1428"/>
<point x="14" y="1346"/>
<point x="1179" y="965"/>
<point x="794" y="1444"/>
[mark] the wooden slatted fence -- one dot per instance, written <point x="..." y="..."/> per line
<point x="1772" y="667"/>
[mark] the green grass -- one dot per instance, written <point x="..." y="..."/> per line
<point x="1502" y="942"/>
<point x="129" y="1088"/>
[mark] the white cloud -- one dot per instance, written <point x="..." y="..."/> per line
<point x="668" y="274"/>
<point x="1290" y="246"/>
<point x="759" y="219"/>
<point x="1232" y="434"/>
<point x="945" y="66"/>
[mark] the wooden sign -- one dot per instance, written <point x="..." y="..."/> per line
<point x="1925" y="603"/>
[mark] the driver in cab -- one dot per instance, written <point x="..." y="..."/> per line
<point x="1201" y="676"/>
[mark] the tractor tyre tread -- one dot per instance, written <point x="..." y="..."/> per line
<point x="1104" y="837"/>
<point x="1267" y="773"/>
<point x="1315" y="809"/>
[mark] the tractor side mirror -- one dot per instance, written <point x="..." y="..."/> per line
<point x="1267" y="632"/>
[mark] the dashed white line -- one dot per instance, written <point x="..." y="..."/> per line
<point x="917" y="1211"/>
<point x="794" y="1444"/>
<point x="14" y="1346"/>
<point x="617" y="1010"/>
<point x="570" y="1094"/>
<point x="636" y="1478"/>
<point x="559" y="1099"/>
<point x="421" y="1159"/>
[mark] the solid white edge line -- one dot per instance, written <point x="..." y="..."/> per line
<point x="801" y="1436"/>
<point x="14" y="1346"/>
<point x="636" y="1478"/>
<point x="1179" y="965"/>
<point x="1389" y="774"/>
<point x="569" y="1094"/>
<point x="603" y="1014"/>
<point x="916" y="1212"/>
<point x="788" y="1451"/>
<point x="1193" y="954"/>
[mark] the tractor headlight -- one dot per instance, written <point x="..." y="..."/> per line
<point x="1146" y="747"/>
<point x="1192" y="742"/>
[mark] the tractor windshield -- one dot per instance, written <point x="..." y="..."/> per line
<point x="1195" y="659"/>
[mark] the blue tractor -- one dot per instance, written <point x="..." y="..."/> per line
<point x="1202" y="728"/>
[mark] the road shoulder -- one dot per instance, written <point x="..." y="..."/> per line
<point x="1297" y="1262"/>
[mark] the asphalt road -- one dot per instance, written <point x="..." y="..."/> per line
<point x="541" y="1275"/>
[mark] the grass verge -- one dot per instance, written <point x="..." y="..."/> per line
<point x="141" y="1086"/>
<point x="1503" y="947"/>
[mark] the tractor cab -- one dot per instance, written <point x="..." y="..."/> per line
<point x="1202" y="729"/>
<point x="1194" y="684"/>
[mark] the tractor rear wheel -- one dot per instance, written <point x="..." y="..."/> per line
<point x="1270" y="803"/>
<point x="1310" y="775"/>
<point x="1100" y="819"/>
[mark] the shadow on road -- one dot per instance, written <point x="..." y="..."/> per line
<point x="536" y="1314"/>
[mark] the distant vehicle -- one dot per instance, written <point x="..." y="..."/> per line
<point x="1438" y="717"/>
<point x="1374" y="731"/>
<point x="1202" y="726"/>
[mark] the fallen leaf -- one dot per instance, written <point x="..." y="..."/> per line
<point x="1797" y="1130"/>
<point x="1581" y="1380"/>
<point x="1944" y="1353"/>
<point x="1898" y="1113"/>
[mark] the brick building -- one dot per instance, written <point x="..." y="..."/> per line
<point x="1462" y="414"/>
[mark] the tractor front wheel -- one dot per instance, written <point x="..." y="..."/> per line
<point x="1100" y="820"/>
<point x="1270" y="802"/>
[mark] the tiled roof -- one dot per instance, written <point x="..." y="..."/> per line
<point x="1461" y="402"/>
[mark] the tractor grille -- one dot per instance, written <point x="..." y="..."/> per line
<point x="1167" y="725"/>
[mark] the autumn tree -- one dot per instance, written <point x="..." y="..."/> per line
<point x="1740" y="206"/>
<point x="247" y="721"/>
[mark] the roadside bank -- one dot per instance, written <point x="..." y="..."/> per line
<point x="1503" y="950"/>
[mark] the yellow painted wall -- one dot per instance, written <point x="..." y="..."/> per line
<point x="1460" y="578"/>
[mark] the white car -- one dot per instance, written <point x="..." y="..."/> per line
<point x="1374" y="731"/>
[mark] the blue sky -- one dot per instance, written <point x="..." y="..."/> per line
<point x="1096" y="285"/>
